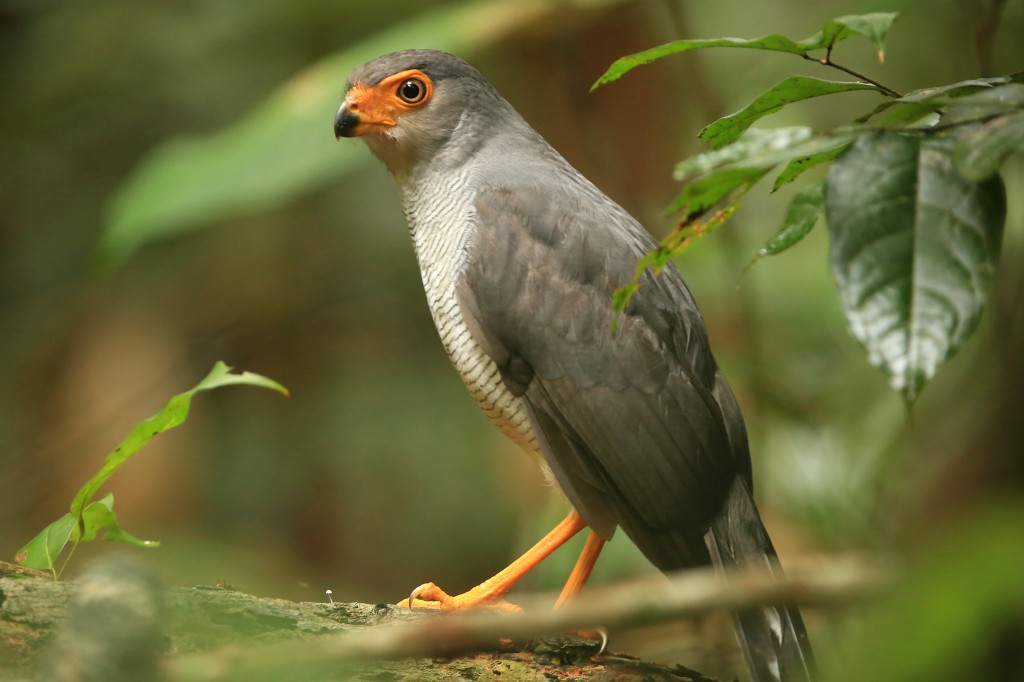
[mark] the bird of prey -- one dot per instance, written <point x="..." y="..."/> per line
<point x="519" y="255"/>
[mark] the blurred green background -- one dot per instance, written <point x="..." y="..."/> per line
<point x="171" y="194"/>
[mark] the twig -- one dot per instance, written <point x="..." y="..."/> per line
<point x="7" y="568"/>
<point x="827" y="61"/>
<point x="687" y="595"/>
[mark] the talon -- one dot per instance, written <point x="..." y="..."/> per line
<point x="597" y="633"/>
<point x="604" y="640"/>
<point x="428" y="596"/>
<point x="416" y="593"/>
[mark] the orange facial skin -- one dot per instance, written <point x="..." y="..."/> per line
<point x="376" y="108"/>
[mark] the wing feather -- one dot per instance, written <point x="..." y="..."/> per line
<point x="638" y="426"/>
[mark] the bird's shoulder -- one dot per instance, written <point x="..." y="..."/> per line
<point x="548" y="252"/>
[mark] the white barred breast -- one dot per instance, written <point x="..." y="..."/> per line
<point x="440" y="211"/>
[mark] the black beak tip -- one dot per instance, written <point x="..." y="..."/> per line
<point x="345" y="123"/>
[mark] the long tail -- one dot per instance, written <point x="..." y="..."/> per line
<point x="773" y="639"/>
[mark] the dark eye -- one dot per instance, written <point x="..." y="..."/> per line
<point x="412" y="91"/>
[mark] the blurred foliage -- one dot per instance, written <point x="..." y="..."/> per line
<point x="380" y="473"/>
<point x="959" y="614"/>
<point x="281" y="149"/>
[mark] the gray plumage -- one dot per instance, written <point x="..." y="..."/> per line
<point x="520" y="255"/>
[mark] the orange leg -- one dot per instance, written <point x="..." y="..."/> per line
<point x="581" y="571"/>
<point x="578" y="578"/>
<point x="489" y="593"/>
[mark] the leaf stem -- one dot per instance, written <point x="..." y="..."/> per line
<point x="827" y="61"/>
<point x="67" y="559"/>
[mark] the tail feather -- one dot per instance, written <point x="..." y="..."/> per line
<point x="773" y="638"/>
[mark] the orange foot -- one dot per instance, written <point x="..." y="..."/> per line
<point x="430" y="596"/>
<point x="490" y="593"/>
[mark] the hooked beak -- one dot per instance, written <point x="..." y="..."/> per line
<point x="366" y="110"/>
<point x="346" y="122"/>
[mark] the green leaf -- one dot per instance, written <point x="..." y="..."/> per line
<point x="754" y="144"/>
<point x="764" y="149"/>
<point x="982" y="105"/>
<point x="172" y="415"/>
<point x="286" y="146"/>
<point x="728" y="129"/>
<point x="41" y="552"/>
<point x="950" y="90"/>
<point x="906" y="116"/>
<point x="221" y="375"/>
<point x="701" y="194"/>
<point x="917" y="103"/>
<point x="980" y="152"/>
<point x="623" y="65"/>
<point x="745" y="162"/>
<point x="913" y="250"/>
<point x="99" y="516"/>
<point x="874" y="27"/>
<point x="798" y="167"/>
<point x="677" y="241"/>
<point x="803" y="212"/>
<point x="1003" y="95"/>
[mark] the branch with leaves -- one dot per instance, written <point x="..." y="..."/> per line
<point x="913" y="199"/>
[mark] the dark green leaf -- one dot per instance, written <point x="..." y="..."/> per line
<point x="41" y="552"/>
<point x="728" y="129"/>
<point x="913" y="249"/>
<point x="980" y="152"/>
<point x="623" y="65"/>
<point x="797" y="167"/>
<point x="801" y="216"/>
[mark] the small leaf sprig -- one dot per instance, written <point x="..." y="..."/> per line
<point x="87" y="517"/>
<point x="969" y="127"/>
